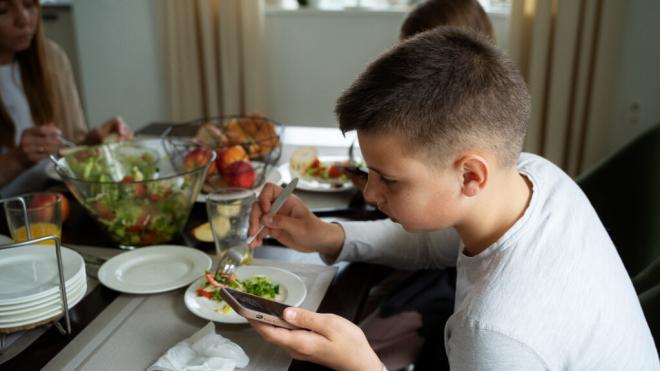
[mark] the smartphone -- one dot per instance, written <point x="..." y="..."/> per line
<point x="256" y="308"/>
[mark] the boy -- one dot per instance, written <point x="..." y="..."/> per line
<point x="441" y="120"/>
<point x="412" y="307"/>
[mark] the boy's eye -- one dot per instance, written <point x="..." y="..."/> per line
<point x="388" y="181"/>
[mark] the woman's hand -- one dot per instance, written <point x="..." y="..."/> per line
<point x="294" y="225"/>
<point x="331" y="340"/>
<point x="113" y="127"/>
<point x="40" y="141"/>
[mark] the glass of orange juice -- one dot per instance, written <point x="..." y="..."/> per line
<point x="44" y="216"/>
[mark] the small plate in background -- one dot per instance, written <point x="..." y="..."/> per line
<point x="309" y="184"/>
<point x="154" y="269"/>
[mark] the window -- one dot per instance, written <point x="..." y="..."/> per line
<point x="489" y="5"/>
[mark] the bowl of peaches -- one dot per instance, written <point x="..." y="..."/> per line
<point x="247" y="149"/>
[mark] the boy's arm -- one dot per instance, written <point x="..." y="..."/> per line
<point x="480" y="349"/>
<point x="386" y="242"/>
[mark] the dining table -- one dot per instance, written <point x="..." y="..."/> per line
<point x="111" y="330"/>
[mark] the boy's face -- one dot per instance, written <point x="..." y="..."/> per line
<point x="407" y="188"/>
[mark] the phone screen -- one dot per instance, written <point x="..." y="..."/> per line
<point x="258" y="304"/>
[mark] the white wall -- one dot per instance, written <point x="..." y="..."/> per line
<point x="119" y="51"/>
<point x="637" y="94"/>
<point x="312" y="56"/>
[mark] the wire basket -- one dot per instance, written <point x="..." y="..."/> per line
<point x="247" y="147"/>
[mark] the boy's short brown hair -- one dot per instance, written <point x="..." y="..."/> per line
<point x="466" y="14"/>
<point x="442" y="91"/>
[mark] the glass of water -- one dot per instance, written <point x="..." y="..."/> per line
<point x="229" y="215"/>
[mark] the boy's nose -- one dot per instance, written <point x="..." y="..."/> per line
<point x="371" y="194"/>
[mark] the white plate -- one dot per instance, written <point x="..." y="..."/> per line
<point x="52" y="308"/>
<point x="307" y="184"/>
<point x="149" y="270"/>
<point x="7" y="310"/>
<point x="274" y="176"/>
<point x="30" y="272"/>
<point x="292" y="292"/>
<point x="42" y="315"/>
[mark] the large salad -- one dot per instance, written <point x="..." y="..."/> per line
<point x="126" y="195"/>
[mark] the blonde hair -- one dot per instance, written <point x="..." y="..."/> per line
<point x="37" y="80"/>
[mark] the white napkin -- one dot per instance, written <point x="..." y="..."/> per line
<point x="203" y="351"/>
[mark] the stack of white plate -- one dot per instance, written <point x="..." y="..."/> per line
<point x="29" y="285"/>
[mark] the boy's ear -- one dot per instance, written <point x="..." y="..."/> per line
<point x="475" y="173"/>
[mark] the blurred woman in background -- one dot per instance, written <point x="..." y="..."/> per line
<point x="39" y="104"/>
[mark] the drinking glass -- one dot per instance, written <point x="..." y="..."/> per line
<point x="44" y="215"/>
<point x="229" y="214"/>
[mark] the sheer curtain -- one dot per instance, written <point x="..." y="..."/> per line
<point x="213" y="53"/>
<point x="567" y="51"/>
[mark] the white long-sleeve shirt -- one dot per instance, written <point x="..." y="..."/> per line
<point x="550" y="294"/>
<point x="14" y="99"/>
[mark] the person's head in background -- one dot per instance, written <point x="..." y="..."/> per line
<point x="22" y="41"/>
<point x="466" y="14"/>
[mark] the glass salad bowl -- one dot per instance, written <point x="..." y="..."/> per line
<point x="138" y="192"/>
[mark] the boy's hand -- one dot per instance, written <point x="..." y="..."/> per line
<point x="294" y="225"/>
<point x="332" y="340"/>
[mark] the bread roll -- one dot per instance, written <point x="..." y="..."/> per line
<point x="211" y="136"/>
<point x="255" y="133"/>
<point x="302" y="159"/>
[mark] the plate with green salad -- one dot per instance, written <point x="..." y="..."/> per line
<point x="203" y="296"/>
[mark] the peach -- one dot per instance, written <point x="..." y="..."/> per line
<point x="240" y="174"/>
<point x="197" y="157"/>
<point x="66" y="210"/>
<point x="42" y="206"/>
<point x="230" y="155"/>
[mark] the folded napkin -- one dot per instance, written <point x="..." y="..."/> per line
<point x="203" y="351"/>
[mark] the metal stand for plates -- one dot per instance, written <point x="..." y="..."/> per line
<point x="60" y="269"/>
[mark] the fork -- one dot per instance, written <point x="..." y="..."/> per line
<point x="351" y="155"/>
<point x="66" y="142"/>
<point x="234" y="255"/>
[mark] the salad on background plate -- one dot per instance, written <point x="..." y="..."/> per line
<point x="317" y="173"/>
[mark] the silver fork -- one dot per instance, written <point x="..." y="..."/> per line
<point x="351" y="155"/>
<point x="67" y="142"/>
<point x="234" y="255"/>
